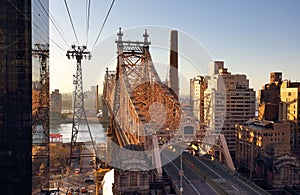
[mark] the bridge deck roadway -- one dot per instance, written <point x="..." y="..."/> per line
<point x="192" y="183"/>
<point x="203" y="176"/>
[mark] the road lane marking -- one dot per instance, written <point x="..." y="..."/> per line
<point x="184" y="176"/>
<point x="235" y="188"/>
<point x="234" y="182"/>
<point x="210" y="169"/>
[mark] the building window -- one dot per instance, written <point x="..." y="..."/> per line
<point x="133" y="178"/>
<point x="123" y="181"/>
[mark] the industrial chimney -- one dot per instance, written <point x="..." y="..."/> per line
<point x="173" y="71"/>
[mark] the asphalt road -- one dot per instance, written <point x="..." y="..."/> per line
<point x="203" y="176"/>
<point x="191" y="182"/>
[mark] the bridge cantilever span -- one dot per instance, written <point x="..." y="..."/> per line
<point x="138" y="103"/>
<point x="132" y="92"/>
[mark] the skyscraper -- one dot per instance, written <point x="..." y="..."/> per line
<point x="229" y="101"/>
<point x="197" y="86"/>
<point x="21" y="26"/>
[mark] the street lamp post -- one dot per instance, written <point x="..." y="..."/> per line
<point x="181" y="171"/>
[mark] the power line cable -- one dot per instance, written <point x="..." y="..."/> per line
<point x="36" y="26"/>
<point x="67" y="7"/>
<point x="88" y="12"/>
<point x="104" y="23"/>
<point x="54" y="23"/>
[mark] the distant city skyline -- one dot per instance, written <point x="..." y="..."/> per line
<point x="251" y="37"/>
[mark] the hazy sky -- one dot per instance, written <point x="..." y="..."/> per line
<point x="253" y="37"/>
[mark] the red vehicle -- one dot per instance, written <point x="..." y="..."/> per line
<point x="77" y="170"/>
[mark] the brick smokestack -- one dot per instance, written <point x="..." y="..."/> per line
<point x="173" y="71"/>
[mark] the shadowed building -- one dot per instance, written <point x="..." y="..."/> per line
<point x="55" y="104"/>
<point x="22" y="24"/>
<point x="55" y="101"/>
<point x="132" y="174"/>
<point x="270" y="98"/>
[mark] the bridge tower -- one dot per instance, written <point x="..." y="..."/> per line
<point x="139" y="97"/>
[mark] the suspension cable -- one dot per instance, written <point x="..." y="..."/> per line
<point x="67" y="8"/>
<point x="88" y="13"/>
<point x="55" y="24"/>
<point x="101" y="29"/>
<point x="35" y="25"/>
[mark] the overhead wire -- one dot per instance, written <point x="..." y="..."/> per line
<point x="104" y="22"/>
<point x="67" y="8"/>
<point x="36" y="26"/>
<point x="88" y="13"/>
<point x="58" y="29"/>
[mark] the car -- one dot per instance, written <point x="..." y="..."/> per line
<point x="89" y="180"/>
<point x="70" y="191"/>
<point x="77" y="170"/>
<point x="77" y="189"/>
<point x="83" y="190"/>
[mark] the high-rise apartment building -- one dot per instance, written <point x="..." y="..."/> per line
<point x="197" y="87"/>
<point x="229" y="100"/>
<point x="55" y="101"/>
<point x="22" y="24"/>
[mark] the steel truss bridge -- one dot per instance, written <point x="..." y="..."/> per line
<point x="142" y="109"/>
<point x="136" y="98"/>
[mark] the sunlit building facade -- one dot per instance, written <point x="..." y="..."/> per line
<point x="263" y="148"/>
<point x="289" y="109"/>
<point x="279" y="101"/>
<point x="197" y="86"/>
<point x="229" y="100"/>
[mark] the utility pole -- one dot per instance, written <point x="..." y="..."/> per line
<point x="79" y="115"/>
